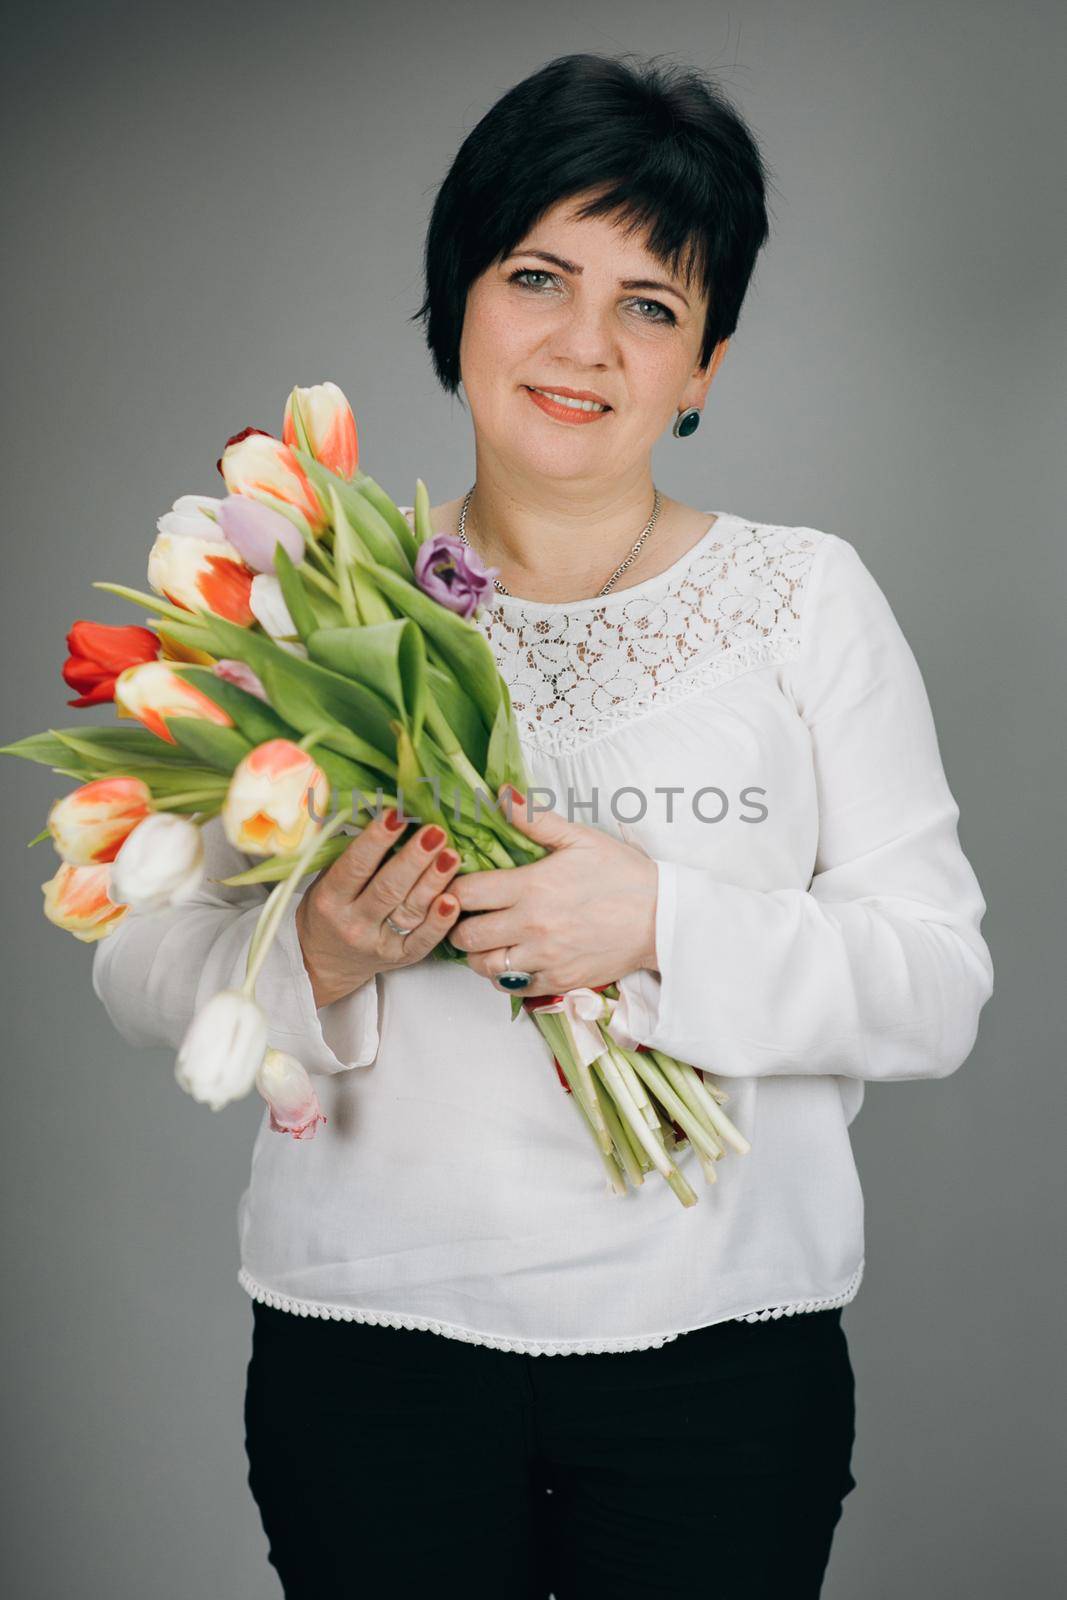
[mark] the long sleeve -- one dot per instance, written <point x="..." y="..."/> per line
<point x="878" y="970"/>
<point x="153" y="972"/>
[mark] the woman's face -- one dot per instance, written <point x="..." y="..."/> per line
<point x="581" y="325"/>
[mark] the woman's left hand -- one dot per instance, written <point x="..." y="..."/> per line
<point x="584" y="915"/>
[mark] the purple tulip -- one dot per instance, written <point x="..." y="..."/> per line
<point x="256" y="530"/>
<point x="449" y="572"/>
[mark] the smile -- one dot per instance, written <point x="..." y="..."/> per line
<point x="564" y="409"/>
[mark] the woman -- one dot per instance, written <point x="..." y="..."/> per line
<point x="738" y="779"/>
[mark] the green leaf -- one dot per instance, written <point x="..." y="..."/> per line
<point x="459" y="712"/>
<point x="104" y="747"/>
<point x="389" y="656"/>
<point x="150" y="602"/>
<point x="345" y="548"/>
<point x="311" y="697"/>
<point x="462" y="645"/>
<point x="179" y="778"/>
<point x="417" y="796"/>
<point x="423" y="525"/>
<point x="195" y="635"/>
<point x="252" y="716"/>
<point x="367" y="521"/>
<point x="220" y="748"/>
<point x="275" y="868"/>
<point x="377" y="497"/>
<point x="294" y="594"/>
<point x="504" y="761"/>
<point x="328" y="613"/>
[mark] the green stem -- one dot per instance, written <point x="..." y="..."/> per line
<point x="609" y="1157"/>
<point x="723" y="1127"/>
<point x="174" y="802"/>
<point x="274" y="907"/>
<point x="624" y="1143"/>
<point x="318" y="579"/>
<point x="316" y="736"/>
<point x="657" y="1082"/>
<point x="313" y="547"/>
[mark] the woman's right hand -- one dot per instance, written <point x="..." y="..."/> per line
<point x="341" y="919"/>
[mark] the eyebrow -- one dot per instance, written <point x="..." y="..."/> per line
<point x="624" y="283"/>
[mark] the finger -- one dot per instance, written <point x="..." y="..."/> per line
<point x="492" y="930"/>
<point x="357" y="863"/>
<point x="434" y="880"/>
<point x="490" y="964"/>
<point x="493" y="889"/>
<point x="439" y="919"/>
<point x="544" y="826"/>
<point x="397" y="876"/>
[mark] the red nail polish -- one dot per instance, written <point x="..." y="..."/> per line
<point x="432" y="838"/>
<point x="446" y="906"/>
<point x="392" y="821"/>
<point x="446" y="861"/>
<point x="517" y="798"/>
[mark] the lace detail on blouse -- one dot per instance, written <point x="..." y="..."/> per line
<point x="530" y="1347"/>
<point x="578" y="670"/>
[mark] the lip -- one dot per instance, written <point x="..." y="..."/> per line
<point x="571" y="394"/>
<point x="567" y="414"/>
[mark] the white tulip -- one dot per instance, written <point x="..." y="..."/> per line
<point x="222" y="1050"/>
<point x="160" y="863"/>
<point x="267" y="604"/>
<point x="188" y="518"/>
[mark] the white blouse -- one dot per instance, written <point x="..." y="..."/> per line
<point x="754" y="719"/>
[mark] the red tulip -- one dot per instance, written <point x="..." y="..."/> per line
<point x="98" y="653"/>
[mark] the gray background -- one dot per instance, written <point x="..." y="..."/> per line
<point x="206" y="206"/>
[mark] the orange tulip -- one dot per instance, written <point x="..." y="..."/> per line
<point x="266" y="469"/>
<point x="77" y="899"/>
<point x="154" y="691"/>
<point x="266" y="810"/>
<point x="92" y="824"/>
<point x="201" y="575"/>
<point x="324" y="426"/>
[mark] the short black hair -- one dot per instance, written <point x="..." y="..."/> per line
<point x="663" y="147"/>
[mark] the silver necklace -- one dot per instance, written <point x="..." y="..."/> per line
<point x="619" y="570"/>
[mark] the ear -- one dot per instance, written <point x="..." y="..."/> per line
<point x="543" y="827"/>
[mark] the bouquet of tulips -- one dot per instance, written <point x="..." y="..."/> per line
<point x="311" y="658"/>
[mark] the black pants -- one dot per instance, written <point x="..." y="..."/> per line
<point x="393" y="1462"/>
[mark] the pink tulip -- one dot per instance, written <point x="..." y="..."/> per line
<point x="255" y="531"/>
<point x="238" y="673"/>
<point x="285" y="1085"/>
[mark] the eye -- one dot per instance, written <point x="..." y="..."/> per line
<point x="668" y="315"/>
<point x="667" y="318"/>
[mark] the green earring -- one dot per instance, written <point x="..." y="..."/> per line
<point x="686" y="422"/>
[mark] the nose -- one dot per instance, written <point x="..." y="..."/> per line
<point x="582" y="339"/>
